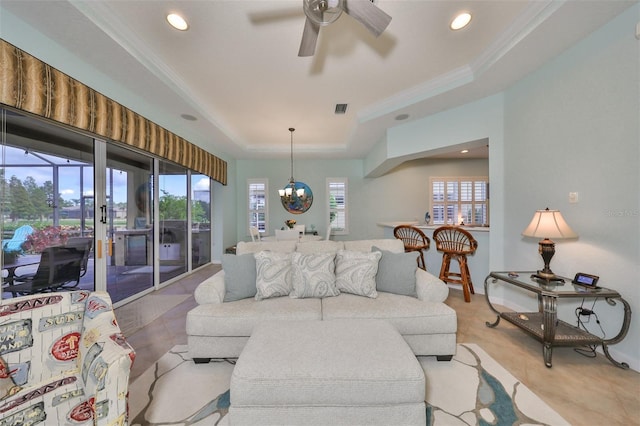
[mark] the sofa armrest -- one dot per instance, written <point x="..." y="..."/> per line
<point x="211" y="290"/>
<point x="430" y="288"/>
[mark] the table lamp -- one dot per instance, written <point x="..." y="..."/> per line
<point x="547" y="224"/>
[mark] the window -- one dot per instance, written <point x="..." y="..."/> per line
<point x="459" y="199"/>
<point x="258" y="189"/>
<point x="338" y="213"/>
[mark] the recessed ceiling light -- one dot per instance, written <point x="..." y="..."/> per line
<point x="188" y="117"/>
<point x="177" y="22"/>
<point x="460" y="21"/>
<point x="464" y="151"/>
<point x="401" y="117"/>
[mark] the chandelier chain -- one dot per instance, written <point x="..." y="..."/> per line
<point x="291" y="129"/>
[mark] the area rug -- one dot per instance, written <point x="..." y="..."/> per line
<point x="472" y="389"/>
<point x="135" y="315"/>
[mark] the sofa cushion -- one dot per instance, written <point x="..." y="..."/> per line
<point x="238" y="318"/>
<point x="239" y="276"/>
<point x="273" y="274"/>
<point x="356" y="272"/>
<point x="313" y="275"/>
<point x="397" y="272"/>
<point x="390" y="244"/>
<point x="407" y="314"/>
<point x="325" y="246"/>
<point x="244" y="247"/>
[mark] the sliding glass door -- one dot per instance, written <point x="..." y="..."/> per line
<point x="200" y="220"/>
<point x="46" y="193"/>
<point x="138" y="221"/>
<point x="173" y="213"/>
<point x="129" y="222"/>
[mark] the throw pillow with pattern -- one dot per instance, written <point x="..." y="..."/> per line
<point x="313" y="275"/>
<point x="273" y="274"/>
<point x="356" y="272"/>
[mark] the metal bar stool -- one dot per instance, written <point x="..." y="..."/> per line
<point x="456" y="243"/>
<point x="413" y="240"/>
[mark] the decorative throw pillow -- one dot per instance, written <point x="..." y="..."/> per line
<point x="356" y="272"/>
<point x="313" y="275"/>
<point x="273" y="274"/>
<point x="397" y="272"/>
<point x="239" y="276"/>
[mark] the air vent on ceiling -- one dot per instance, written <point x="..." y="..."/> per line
<point x="341" y="108"/>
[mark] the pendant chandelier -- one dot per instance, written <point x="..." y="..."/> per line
<point x="296" y="197"/>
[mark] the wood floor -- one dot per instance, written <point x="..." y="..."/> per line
<point x="585" y="391"/>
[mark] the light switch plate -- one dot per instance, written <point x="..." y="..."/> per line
<point x="573" y="197"/>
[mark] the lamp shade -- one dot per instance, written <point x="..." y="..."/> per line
<point x="548" y="224"/>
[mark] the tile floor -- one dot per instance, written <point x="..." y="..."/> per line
<point x="585" y="391"/>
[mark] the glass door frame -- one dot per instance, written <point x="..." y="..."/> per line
<point x="102" y="243"/>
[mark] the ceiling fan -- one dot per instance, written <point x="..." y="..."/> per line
<point x="324" y="12"/>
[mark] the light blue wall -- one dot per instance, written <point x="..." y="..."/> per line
<point x="482" y="119"/>
<point x="573" y="126"/>
<point x="401" y="194"/>
<point x="433" y="133"/>
<point x="312" y="172"/>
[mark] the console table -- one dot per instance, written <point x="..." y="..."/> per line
<point x="544" y="324"/>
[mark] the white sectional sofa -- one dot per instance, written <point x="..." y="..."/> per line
<point x="220" y="329"/>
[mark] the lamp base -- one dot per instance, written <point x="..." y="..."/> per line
<point x="547" y="249"/>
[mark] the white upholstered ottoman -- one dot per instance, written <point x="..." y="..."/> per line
<point x="349" y="372"/>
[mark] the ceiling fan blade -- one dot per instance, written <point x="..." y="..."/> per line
<point x="368" y="14"/>
<point x="309" y="38"/>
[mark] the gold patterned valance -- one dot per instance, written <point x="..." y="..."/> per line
<point x="28" y="84"/>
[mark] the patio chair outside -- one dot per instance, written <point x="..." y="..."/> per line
<point x="14" y="244"/>
<point x="59" y="266"/>
<point x="82" y="243"/>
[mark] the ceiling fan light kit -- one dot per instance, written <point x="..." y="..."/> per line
<point x="323" y="12"/>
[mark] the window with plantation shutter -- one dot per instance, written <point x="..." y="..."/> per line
<point x="459" y="199"/>
<point x="337" y="207"/>
<point x="257" y="204"/>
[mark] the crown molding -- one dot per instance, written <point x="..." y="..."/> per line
<point x="103" y="17"/>
<point x="534" y="15"/>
